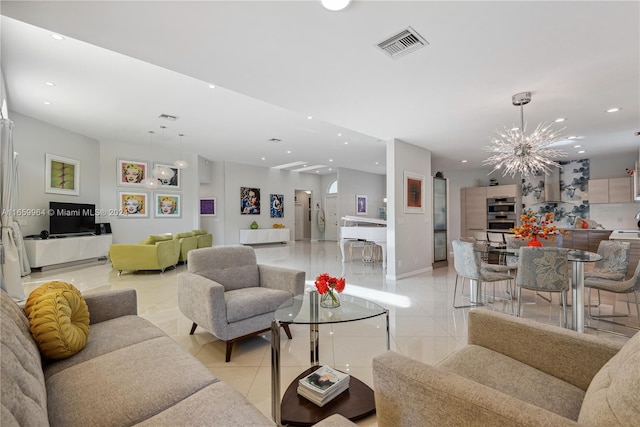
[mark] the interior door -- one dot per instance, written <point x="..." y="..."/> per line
<point x="331" y="218"/>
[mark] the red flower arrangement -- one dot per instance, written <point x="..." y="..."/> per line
<point x="324" y="282"/>
<point x="327" y="286"/>
<point x="530" y="227"/>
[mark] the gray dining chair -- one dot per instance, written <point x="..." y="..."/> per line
<point x="510" y="261"/>
<point x="613" y="266"/>
<point x="543" y="269"/>
<point x="631" y="285"/>
<point x="614" y="263"/>
<point x="468" y="266"/>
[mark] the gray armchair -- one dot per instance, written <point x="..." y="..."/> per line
<point x="513" y="372"/>
<point x="227" y="293"/>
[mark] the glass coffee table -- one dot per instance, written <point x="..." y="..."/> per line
<point x="357" y="401"/>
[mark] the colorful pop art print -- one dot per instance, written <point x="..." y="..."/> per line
<point x="249" y="201"/>
<point x="130" y="173"/>
<point x="277" y="206"/>
<point x="62" y="175"/>
<point x="133" y="205"/>
<point x="167" y="205"/>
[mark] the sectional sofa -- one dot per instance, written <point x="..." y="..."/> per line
<point x="129" y="373"/>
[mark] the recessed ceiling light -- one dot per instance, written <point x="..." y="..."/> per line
<point x="339" y="134"/>
<point x="309" y="117"/>
<point x="581" y="152"/>
<point x="613" y="110"/>
<point x="335" y="5"/>
<point x="346" y="143"/>
<point x="330" y="169"/>
<point x="317" y="171"/>
<point x="47" y="103"/>
<point x="57" y="36"/>
<point x="377" y="163"/>
<point x="577" y="146"/>
<point x="49" y="83"/>
<point x="331" y="160"/>
<point x="464" y="161"/>
<point x="288" y="151"/>
<point x="264" y="158"/>
<point x="561" y="119"/>
<point x="211" y="86"/>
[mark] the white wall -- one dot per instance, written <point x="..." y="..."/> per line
<point x="409" y="235"/>
<point x="352" y="183"/>
<point x="212" y="185"/>
<point x="269" y="181"/>
<point x="130" y="229"/>
<point x="32" y="140"/>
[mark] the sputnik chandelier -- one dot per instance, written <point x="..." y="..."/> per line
<point x="518" y="153"/>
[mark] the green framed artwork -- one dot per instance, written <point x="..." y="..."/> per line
<point x="62" y="175"/>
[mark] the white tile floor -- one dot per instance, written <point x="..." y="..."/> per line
<point x="423" y="324"/>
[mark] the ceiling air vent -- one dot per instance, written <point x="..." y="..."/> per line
<point x="168" y="117"/>
<point x="402" y="43"/>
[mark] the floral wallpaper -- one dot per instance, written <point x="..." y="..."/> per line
<point x="574" y="190"/>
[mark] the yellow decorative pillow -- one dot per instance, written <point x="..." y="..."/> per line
<point x="58" y="319"/>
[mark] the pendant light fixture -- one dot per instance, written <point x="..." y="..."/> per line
<point x="518" y="153"/>
<point x="181" y="164"/>
<point x="160" y="172"/>
<point x="150" y="181"/>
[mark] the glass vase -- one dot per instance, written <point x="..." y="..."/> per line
<point x="534" y="241"/>
<point x="330" y="299"/>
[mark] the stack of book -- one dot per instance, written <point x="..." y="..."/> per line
<point x="322" y="385"/>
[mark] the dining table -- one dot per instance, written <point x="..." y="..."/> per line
<point x="578" y="258"/>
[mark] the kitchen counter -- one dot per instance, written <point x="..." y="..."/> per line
<point x="625" y="235"/>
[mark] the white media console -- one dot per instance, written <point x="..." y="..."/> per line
<point x="264" y="235"/>
<point x="44" y="253"/>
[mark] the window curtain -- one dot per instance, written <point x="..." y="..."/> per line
<point x="13" y="260"/>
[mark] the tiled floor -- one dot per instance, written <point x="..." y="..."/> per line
<point x="423" y="324"/>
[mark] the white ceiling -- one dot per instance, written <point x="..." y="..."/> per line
<point x="274" y="63"/>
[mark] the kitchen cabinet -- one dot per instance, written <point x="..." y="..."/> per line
<point x="610" y="190"/>
<point x="494" y="191"/>
<point x="473" y="203"/>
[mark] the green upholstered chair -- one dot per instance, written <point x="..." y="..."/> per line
<point x="156" y="252"/>
<point x="205" y="239"/>
<point x="187" y="242"/>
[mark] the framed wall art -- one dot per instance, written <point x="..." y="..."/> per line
<point x="172" y="180"/>
<point x="413" y="192"/>
<point x="361" y="205"/>
<point x="249" y="201"/>
<point x="208" y="207"/>
<point x="277" y="206"/>
<point x="62" y="175"/>
<point x="133" y="205"/>
<point x="167" y="205"/>
<point x="130" y="173"/>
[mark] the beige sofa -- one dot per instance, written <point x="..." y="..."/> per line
<point x="513" y="372"/>
<point x="129" y="373"/>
